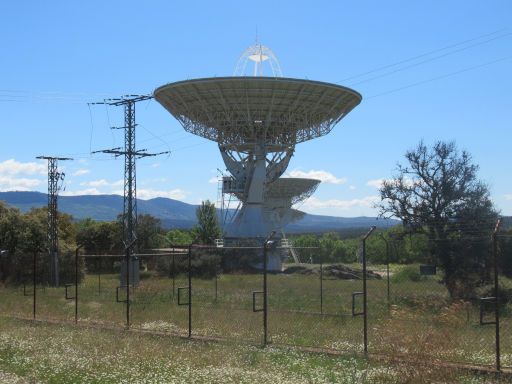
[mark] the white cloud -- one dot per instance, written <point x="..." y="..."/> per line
<point x="102" y="183"/>
<point x="214" y="180"/>
<point x="13" y="167"/>
<point x="8" y="183"/>
<point x="324" y="176"/>
<point x="352" y="187"/>
<point x="88" y="191"/>
<point x="508" y="196"/>
<point x="375" y="183"/>
<point x="155" y="165"/>
<point x="9" y="169"/>
<point x="81" y="172"/>
<point x="314" y="203"/>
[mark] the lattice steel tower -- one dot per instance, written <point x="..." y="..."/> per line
<point x="130" y="179"/>
<point x="55" y="179"/>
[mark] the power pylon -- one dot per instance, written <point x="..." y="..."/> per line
<point x="55" y="178"/>
<point x="130" y="154"/>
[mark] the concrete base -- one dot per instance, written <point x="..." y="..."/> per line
<point x="274" y="260"/>
<point x="134" y="272"/>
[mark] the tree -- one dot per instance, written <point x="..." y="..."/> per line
<point x="100" y="237"/>
<point x="20" y="236"/>
<point x="334" y="250"/>
<point x="438" y="194"/>
<point x="37" y="219"/>
<point x="179" y="237"/>
<point x="405" y="246"/>
<point x="308" y="247"/>
<point x="23" y="235"/>
<point x="149" y="232"/>
<point x="207" y="228"/>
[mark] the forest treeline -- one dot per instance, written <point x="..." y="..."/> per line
<point x="447" y="214"/>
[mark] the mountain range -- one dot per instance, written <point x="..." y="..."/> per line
<point x="172" y="213"/>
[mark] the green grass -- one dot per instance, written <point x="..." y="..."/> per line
<point x="64" y="354"/>
<point x="421" y="321"/>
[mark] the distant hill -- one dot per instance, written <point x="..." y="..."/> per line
<point x="172" y="213"/>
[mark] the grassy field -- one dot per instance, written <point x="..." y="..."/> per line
<point x="64" y="354"/>
<point x="420" y="321"/>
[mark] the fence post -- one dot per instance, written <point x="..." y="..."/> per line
<point x="76" y="283"/>
<point x="34" y="278"/>
<point x="265" y="292"/>
<point x="173" y="277"/>
<point x="387" y="269"/>
<point x="321" y="288"/>
<point x="216" y="283"/>
<point x="496" y="297"/>
<point x="265" y="324"/>
<point x="365" y="294"/>
<point x="99" y="275"/>
<point x="190" y="290"/>
<point x="127" y="255"/>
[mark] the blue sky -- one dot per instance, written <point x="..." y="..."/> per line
<point x="56" y="56"/>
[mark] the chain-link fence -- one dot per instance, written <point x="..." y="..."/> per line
<point x="310" y="306"/>
<point x="423" y="320"/>
<point x="228" y="294"/>
<point x="228" y="298"/>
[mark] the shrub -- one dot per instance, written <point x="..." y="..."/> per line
<point x="407" y="273"/>
<point x="203" y="264"/>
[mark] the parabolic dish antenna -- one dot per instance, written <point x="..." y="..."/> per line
<point x="281" y="195"/>
<point x="295" y="190"/>
<point x="257" y="122"/>
<point x="242" y="111"/>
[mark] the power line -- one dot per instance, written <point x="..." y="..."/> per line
<point x="164" y="143"/>
<point x="160" y="137"/>
<point x="421" y="55"/>
<point x="439" y="77"/>
<point x="189" y="146"/>
<point x="426" y="61"/>
<point x="37" y="96"/>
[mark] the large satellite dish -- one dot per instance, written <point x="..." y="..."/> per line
<point x="257" y="121"/>
<point x="243" y="111"/>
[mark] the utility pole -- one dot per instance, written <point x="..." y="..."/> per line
<point x="54" y="179"/>
<point x="130" y="154"/>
